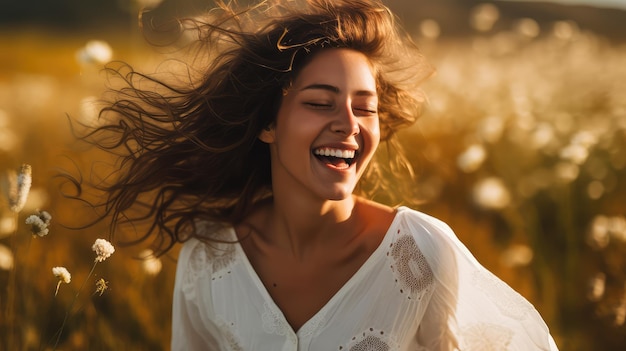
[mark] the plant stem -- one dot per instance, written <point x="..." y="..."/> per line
<point x="9" y="318"/>
<point x="67" y="313"/>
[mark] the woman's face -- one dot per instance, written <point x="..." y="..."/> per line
<point x="327" y="127"/>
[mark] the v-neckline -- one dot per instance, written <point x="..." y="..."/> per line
<point x="267" y="297"/>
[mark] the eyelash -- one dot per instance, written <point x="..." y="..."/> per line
<point x="324" y="106"/>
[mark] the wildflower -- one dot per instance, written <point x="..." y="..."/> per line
<point x="575" y="153"/>
<point x="490" y="129"/>
<point x="517" y="256"/>
<point x="542" y="136"/>
<point x="491" y="193"/>
<point x="617" y="228"/>
<point x="39" y="223"/>
<point x="565" y="30"/>
<point x="472" y="158"/>
<point x="484" y="16"/>
<point x="101" y="286"/>
<point x="63" y="275"/>
<point x="527" y="27"/>
<point x="597" y="285"/>
<point x="6" y="258"/>
<point x="103" y="249"/>
<point x="585" y="139"/>
<point x="430" y="29"/>
<point x="595" y="190"/>
<point x="151" y="264"/>
<point x="95" y="51"/>
<point x="19" y="188"/>
<point x="598" y="235"/>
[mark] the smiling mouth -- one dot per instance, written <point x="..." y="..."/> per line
<point x="336" y="158"/>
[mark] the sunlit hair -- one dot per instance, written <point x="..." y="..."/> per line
<point x="191" y="151"/>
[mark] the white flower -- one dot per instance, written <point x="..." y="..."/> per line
<point x="565" y="30"/>
<point x="527" y="27"/>
<point x="63" y="274"/>
<point x="517" y="256"/>
<point x="597" y="285"/>
<point x="430" y="29"/>
<point x="617" y="228"/>
<point x="95" y="51"/>
<point x="151" y="264"/>
<point x="542" y="136"/>
<point x="472" y="158"/>
<point x="484" y="16"/>
<point x="491" y="193"/>
<point x="19" y="188"/>
<point x="598" y="234"/>
<point x="575" y="153"/>
<point x="39" y="223"/>
<point x="103" y="249"/>
<point x="491" y="129"/>
<point x="585" y="139"/>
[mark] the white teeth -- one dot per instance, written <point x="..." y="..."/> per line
<point x="334" y="152"/>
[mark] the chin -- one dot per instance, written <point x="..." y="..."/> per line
<point x="340" y="194"/>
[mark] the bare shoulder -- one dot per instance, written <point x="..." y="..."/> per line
<point x="377" y="216"/>
<point x="373" y="208"/>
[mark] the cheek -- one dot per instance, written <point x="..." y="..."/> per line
<point x="373" y="128"/>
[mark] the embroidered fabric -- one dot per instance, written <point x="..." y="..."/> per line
<point x="213" y="258"/>
<point x="371" y="340"/>
<point x="410" y="267"/>
<point x="229" y="332"/>
<point x="485" y="337"/>
<point x="273" y="322"/>
<point x="508" y="301"/>
<point x="420" y="290"/>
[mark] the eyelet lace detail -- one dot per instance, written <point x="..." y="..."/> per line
<point x="230" y="335"/>
<point x="273" y="322"/>
<point x="214" y="258"/>
<point x="312" y="325"/>
<point x="485" y="337"/>
<point x="410" y="267"/>
<point x="509" y="302"/>
<point x="371" y="340"/>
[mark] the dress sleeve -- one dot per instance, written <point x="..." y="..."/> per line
<point x="470" y="308"/>
<point x="192" y="328"/>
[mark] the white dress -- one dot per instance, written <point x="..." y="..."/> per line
<point x="421" y="289"/>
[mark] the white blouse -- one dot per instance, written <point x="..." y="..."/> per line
<point x="421" y="289"/>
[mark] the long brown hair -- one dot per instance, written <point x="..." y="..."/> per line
<point x="190" y="151"/>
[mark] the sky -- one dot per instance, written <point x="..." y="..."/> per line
<point x="620" y="4"/>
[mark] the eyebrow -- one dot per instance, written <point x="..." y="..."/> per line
<point x="336" y="90"/>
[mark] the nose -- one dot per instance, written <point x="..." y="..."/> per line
<point x="346" y="122"/>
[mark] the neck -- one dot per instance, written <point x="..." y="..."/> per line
<point x="301" y="225"/>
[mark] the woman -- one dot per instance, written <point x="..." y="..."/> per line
<point x="255" y="168"/>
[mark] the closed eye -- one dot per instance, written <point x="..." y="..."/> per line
<point x="367" y="110"/>
<point x="316" y="105"/>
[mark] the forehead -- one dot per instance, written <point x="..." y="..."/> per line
<point x="343" y="68"/>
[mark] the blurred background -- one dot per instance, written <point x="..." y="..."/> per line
<point x="521" y="149"/>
